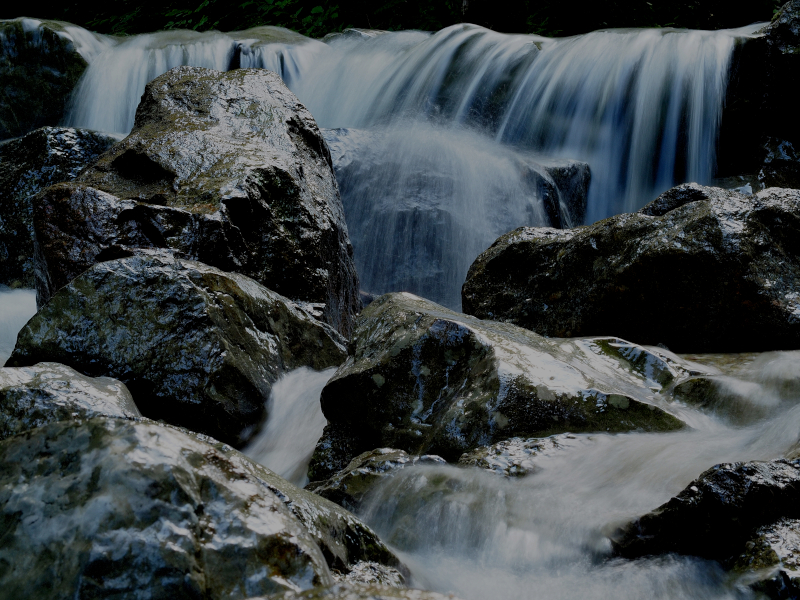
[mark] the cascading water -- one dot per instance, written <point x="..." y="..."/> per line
<point x="642" y="107"/>
<point x="16" y="307"/>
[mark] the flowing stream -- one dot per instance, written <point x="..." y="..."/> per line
<point x="16" y="307"/>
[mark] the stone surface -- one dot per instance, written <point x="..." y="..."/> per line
<point x="196" y="346"/>
<point x="40" y="64"/>
<point x="29" y="164"/>
<point x="698" y="269"/>
<point x="427" y="380"/>
<point x="32" y="397"/>
<point x="349" y="486"/>
<point x="355" y="591"/>
<point x="248" y="177"/>
<point x="770" y="562"/>
<point x="514" y="457"/>
<point x="135" y="510"/>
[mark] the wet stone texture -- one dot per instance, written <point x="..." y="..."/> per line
<point x="31" y="397"/>
<point x="244" y="182"/>
<point x="427" y="380"/>
<point x="699" y="269"/>
<point x="29" y="164"/>
<point x="196" y="347"/>
<point x="355" y="591"/>
<point x="515" y="457"/>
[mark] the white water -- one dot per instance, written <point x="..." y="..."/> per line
<point x="294" y="424"/>
<point x="16" y="308"/>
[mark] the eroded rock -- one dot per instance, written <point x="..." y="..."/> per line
<point x="29" y="164"/>
<point x="32" y="397"/>
<point x="427" y="380"/>
<point x="197" y="347"/>
<point x="248" y="177"/>
<point x="680" y="272"/>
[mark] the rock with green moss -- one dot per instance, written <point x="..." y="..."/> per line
<point x="356" y="591"/>
<point x="31" y="397"/>
<point x="29" y="164"/>
<point x="196" y="346"/>
<point x="349" y="487"/>
<point x="679" y="272"/>
<point x="427" y="380"/>
<point x="129" y="510"/>
<point x="770" y="562"/>
<point x="240" y="151"/>
<point x="40" y="64"/>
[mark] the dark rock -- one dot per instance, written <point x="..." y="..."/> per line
<point x="356" y="591"/>
<point x="699" y="269"/>
<point x="770" y="562"/>
<point x="349" y="486"/>
<point x="41" y="158"/>
<point x="717" y="513"/>
<point x="515" y="457"/>
<point x="243" y="166"/>
<point x="32" y="397"/>
<point x="781" y="164"/>
<point x="114" y="508"/>
<point x="404" y="198"/>
<point x="197" y="347"/>
<point x="427" y="380"/>
<point x="40" y="64"/>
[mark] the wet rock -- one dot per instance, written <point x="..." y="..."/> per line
<point x="427" y="380"/>
<point x="32" y="397"/>
<point x="244" y="167"/>
<point x="770" y="562"/>
<point x="355" y="591"/>
<point x="677" y="273"/>
<point x="40" y="64"/>
<point x="196" y="346"/>
<point x="349" y="486"/>
<point x="400" y="201"/>
<point x="353" y="33"/>
<point x="374" y="574"/>
<point x="514" y="457"/>
<point x="718" y="513"/>
<point x="114" y="508"/>
<point x="781" y="164"/>
<point x="27" y="165"/>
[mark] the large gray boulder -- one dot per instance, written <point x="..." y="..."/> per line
<point x="196" y="346"/>
<point x="32" y="397"/>
<point x="417" y="194"/>
<point x="40" y="64"/>
<point x="109" y="508"/>
<point x="699" y="269"/>
<point x="29" y="164"/>
<point x="427" y="380"/>
<point x="247" y="180"/>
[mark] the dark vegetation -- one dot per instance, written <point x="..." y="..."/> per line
<point x="318" y="17"/>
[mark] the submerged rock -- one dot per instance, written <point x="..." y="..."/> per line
<point x="114" y="508"/>
<point x="32" y="397"/>
<point x="27" y="165"/>
<point x="514" y="457"/>
<point x="699" y="269"/>
<point x="40" y="64"/>
<point x="197" y="347"/>
<point x="248" y="177"/>
<point x="356" y="591"/>
<point x="427" y="380"/>
<point x="349" y="486"/>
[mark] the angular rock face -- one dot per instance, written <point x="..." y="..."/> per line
<point x="27" y="165"/>
<point x="197" y="347"/>
<point x="40" y="64"/>
<point x="404" y="199"/>
<point x="111" y="508"/>
<point x="699" y="269"/>
<point x="349" y="486"/>
<point x="243" y="166"/>
<point x="32" y="397"/>
<point x="425" y="379"/>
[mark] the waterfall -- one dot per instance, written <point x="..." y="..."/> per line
<point x="462" y="123"/>
<point x="16" y="307"/>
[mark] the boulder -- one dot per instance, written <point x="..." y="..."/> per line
<point x="349" y="486"/>
<point x="426" y="380"/>
<point x="40" y="64"/>
<point x="699" y="269"/>
<point x="29" y="164"/>
<point x="417" y="194"/>
<point x="770" y="561"/>
<point x="196" y="346"/>
<point x="130" y="510"/>
<point x="355" y="591"/>
<point x="32" y="397"/>
<point x="248" y="177"/>
<point x="515" y="457"/>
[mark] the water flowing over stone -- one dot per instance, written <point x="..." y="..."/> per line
<point x="16" y="308"/>
<point x="197" y="347"/>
